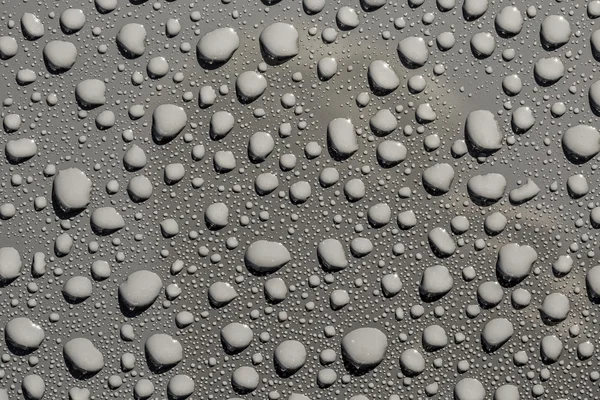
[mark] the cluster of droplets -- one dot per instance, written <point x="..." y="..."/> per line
<point x="299" y="199"/>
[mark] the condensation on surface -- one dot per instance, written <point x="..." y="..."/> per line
<point x="299" y="199"/>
